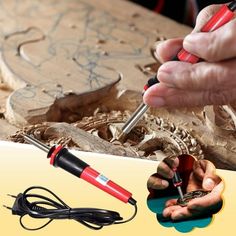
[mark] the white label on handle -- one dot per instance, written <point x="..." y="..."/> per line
<point x="102" y="179"/>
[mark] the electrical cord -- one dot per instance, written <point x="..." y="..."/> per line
<point x="42" y="207"/>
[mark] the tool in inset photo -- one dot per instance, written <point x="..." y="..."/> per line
<point x="185" y="192"/>
<point x="177" y="182"/>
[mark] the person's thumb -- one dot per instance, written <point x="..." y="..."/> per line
<point x="204" y="16"/>
<point x="213" y="46"/>
<point x="210" y="179"/>
<point x="208" y="183"/>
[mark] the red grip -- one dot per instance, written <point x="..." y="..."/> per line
<point x="223" y="16"/>
<point x="145" y="87"/>
<point x="54" y="153"/>
<point x="177" y="184"/>
<point x="92" y="176"/>
<point x="185" y="56"/>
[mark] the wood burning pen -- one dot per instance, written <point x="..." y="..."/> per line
<point x="224" y="15"/>
<point x="177" y="182"/>
<point x="61" y="157"/>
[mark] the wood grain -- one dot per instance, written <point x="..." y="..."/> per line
<point x="54" y="48"/>
<point x="65" y="59"/>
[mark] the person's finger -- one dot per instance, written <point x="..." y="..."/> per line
<point x="204" y="172"/>
<point x="193" y="183"/>
<point x="200" y="76"/>
<point x="199" y="206"/>
<point x="180" y="213"/>
<point x="209" y="175"/>
<point x="164" y="170"/>
<point x="198" y="170"/>
<point x="213" y="46"/>
<point x="203" y="176"/>
<point x="171" y="202"/>
<point x="169" y="210"/>
<point x="172" y="162"/>
<point x="204" y="16"/>
<point x="157" y="183"/>
<point x="167" y="50"/>
<point x="211" y="199"/>
<point x="160" y="95"/>
<point x="210" y="179"/>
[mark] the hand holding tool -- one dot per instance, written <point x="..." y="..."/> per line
<point x="224" y="15"/>
<point x="61" y="157"/>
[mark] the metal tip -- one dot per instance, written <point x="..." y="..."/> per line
<point x="30" y="139"/>
<point x="10" y="195"/>
<point x="9" y="208"/>
<point x="180" y="193"/>
<point x="134" y="119"/>
<point x="121" y="137"/>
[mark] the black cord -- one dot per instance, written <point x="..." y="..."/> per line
<point x="44" y="207"/>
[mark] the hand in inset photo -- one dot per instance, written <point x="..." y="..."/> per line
<point x="202" y="178"/>
<point x="196" y="192"/>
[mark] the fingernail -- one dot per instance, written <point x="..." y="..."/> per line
<point x="157" y="45"/>
<point x="164" y="183"/>
<point x="155" y="49"/>
<point x="164" y="76"/>
<point x="191" y="41"/>
<point x="158" y="102"/>
<point x="208" y="184"/>
<point x="166" y="212"/>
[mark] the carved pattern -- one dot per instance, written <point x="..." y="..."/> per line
<point x="151" y="136"/>
<point x="157" y="134"/>
<point x="191" y="195"/>
<point x="222" y="117"/>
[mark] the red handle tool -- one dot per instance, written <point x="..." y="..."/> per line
<point x="224" y="15"/>
<point x="61" y="157"/>
<point x="177" y="182"/>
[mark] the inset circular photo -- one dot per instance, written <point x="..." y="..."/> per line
<point x="185" y="192"/>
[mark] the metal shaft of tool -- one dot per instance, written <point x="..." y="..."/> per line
<point x="35" y="142"/>
<point x="180" y="193"/>
<point x="177" y="181"/>
<point x="134" y="119"/>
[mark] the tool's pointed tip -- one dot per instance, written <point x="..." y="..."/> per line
<point x="32" y="140"/>
<point x="121" y="137"/>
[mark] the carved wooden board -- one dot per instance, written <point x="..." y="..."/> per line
<point x="53" y="48"/>
<point x="60" y="56"/>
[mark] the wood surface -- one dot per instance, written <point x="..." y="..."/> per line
<point x="66" y="59"/>
<point x="50" y="49"/>
<point x="6" y="128"/>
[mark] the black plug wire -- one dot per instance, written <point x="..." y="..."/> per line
<point x="44" y="207"/>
